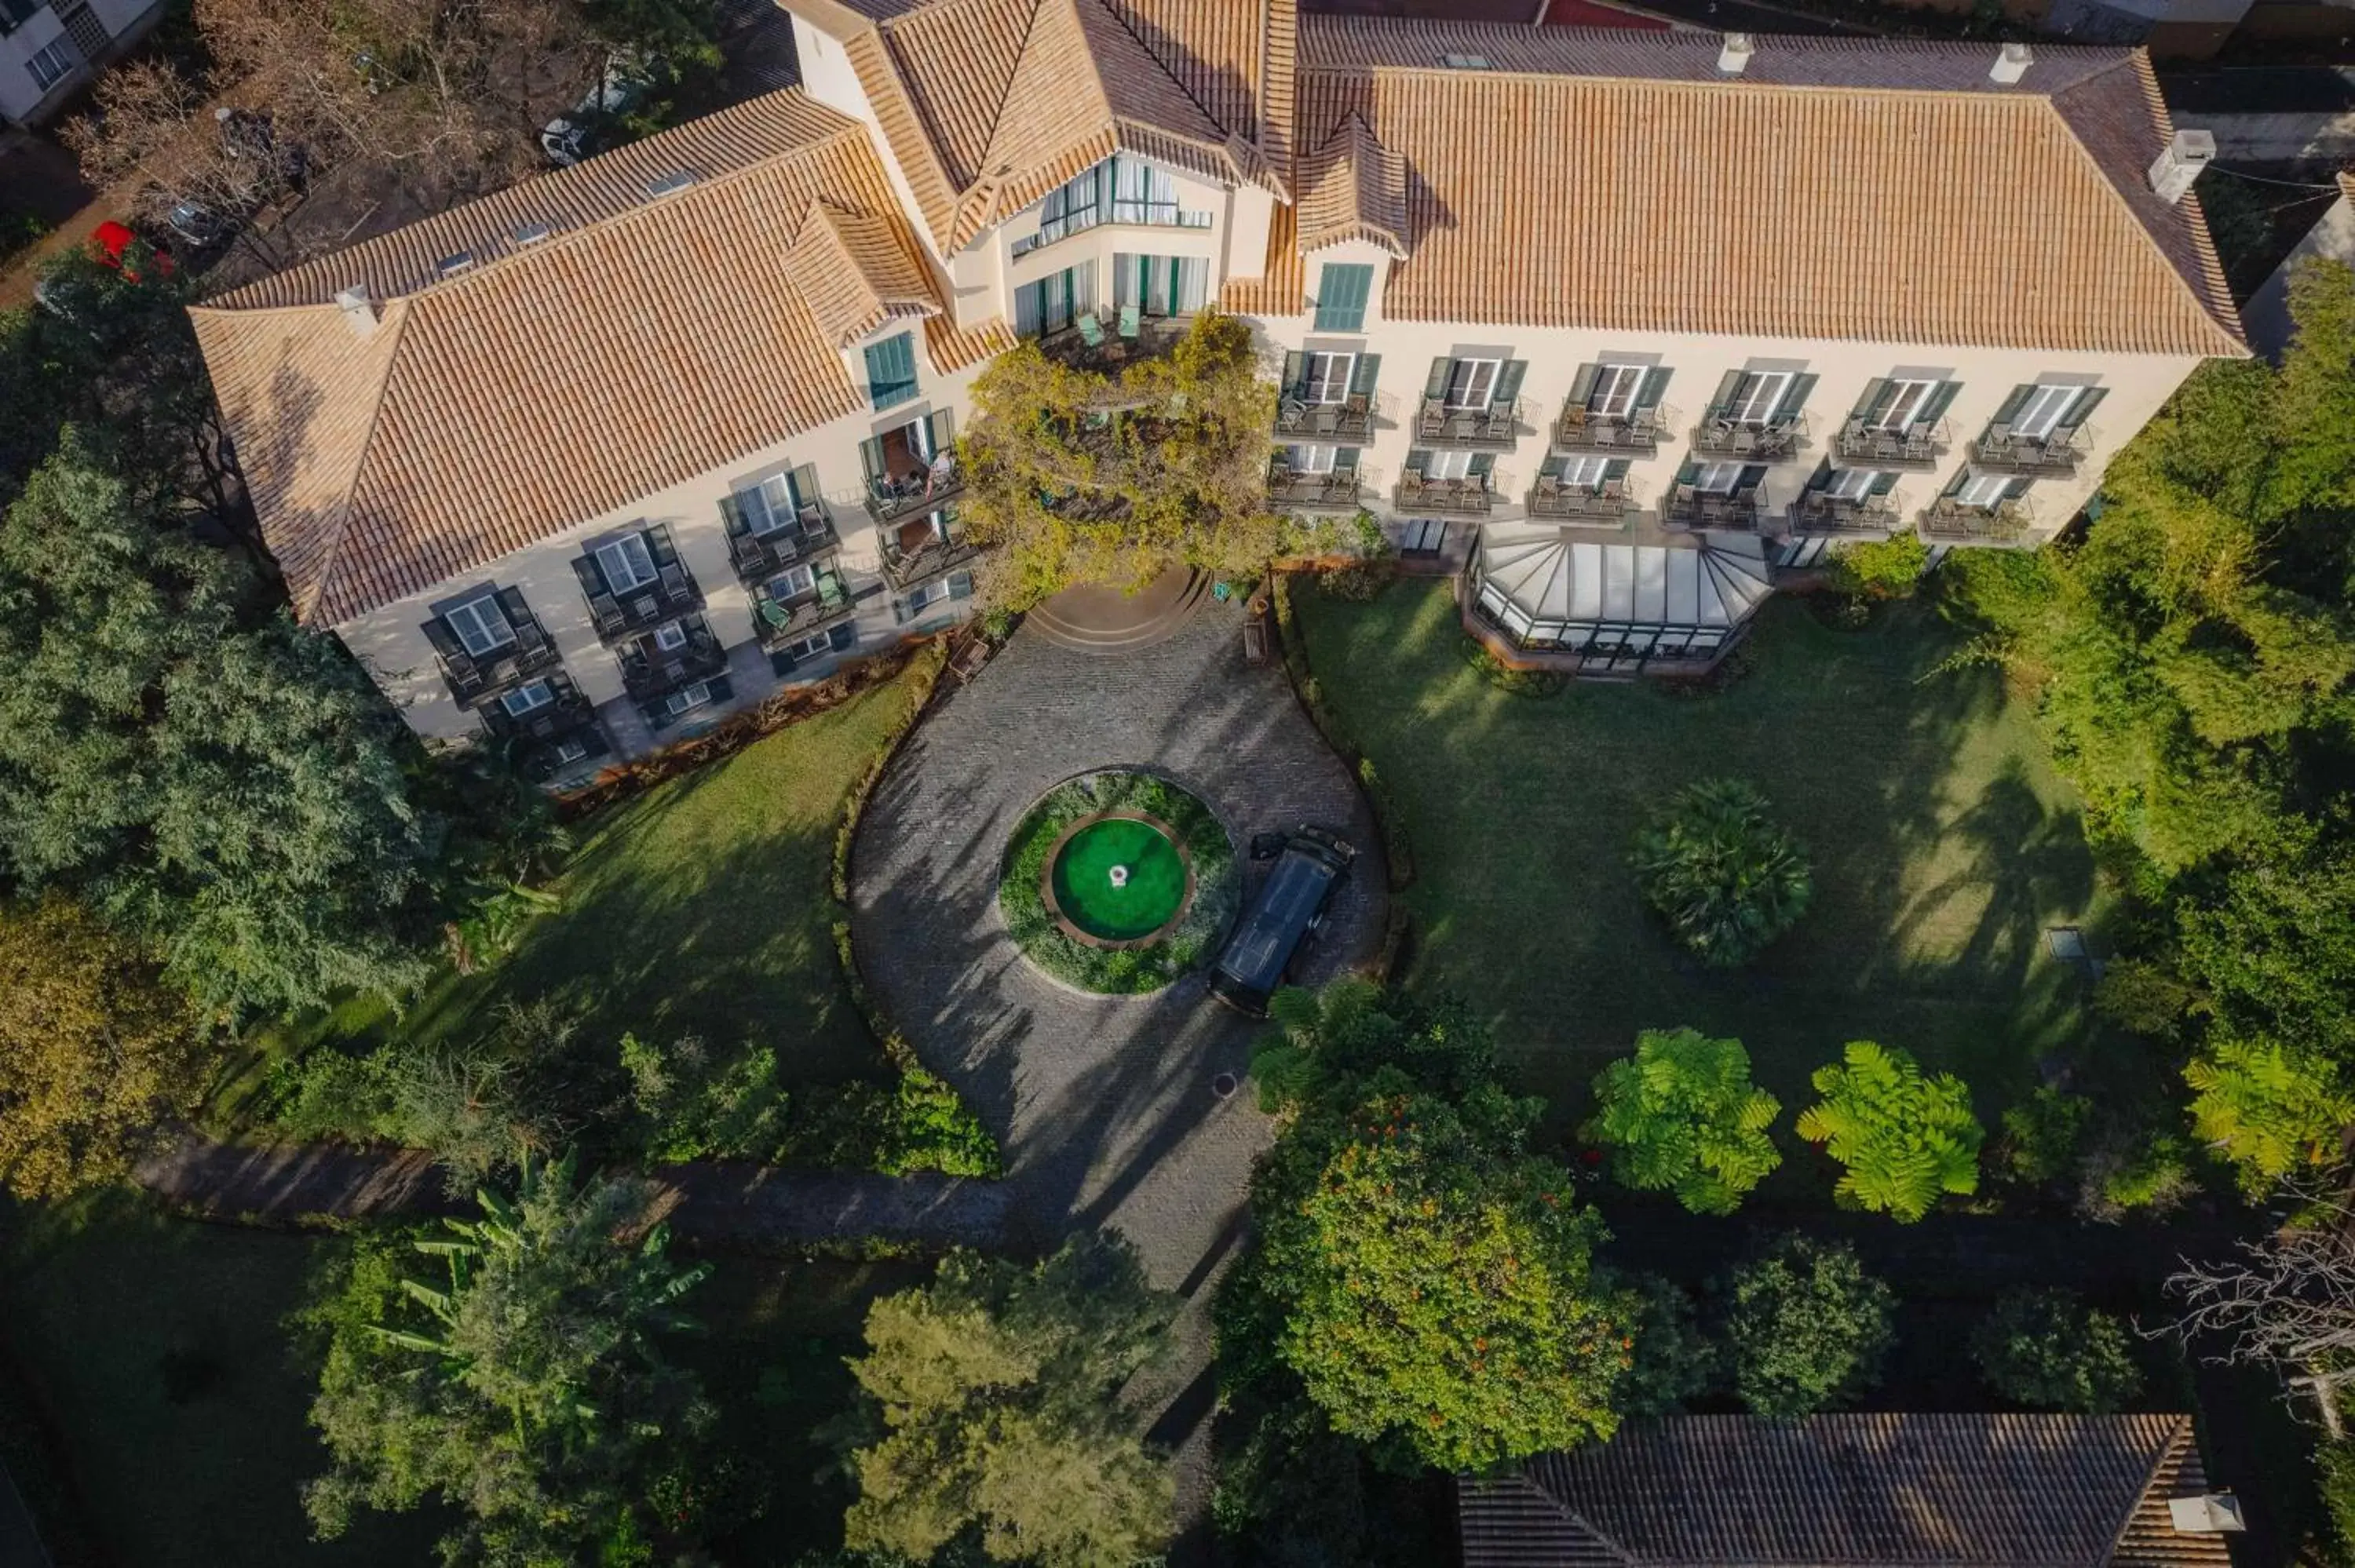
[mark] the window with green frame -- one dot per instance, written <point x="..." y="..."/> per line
<point x="892" y="370"/>
<point x="1342" y="292"/>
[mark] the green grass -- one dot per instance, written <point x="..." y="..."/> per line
<point x="699" y="908"/>
<point x="1941" y="841"/>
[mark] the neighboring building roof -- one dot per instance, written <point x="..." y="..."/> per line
<point x="990" y="104"/>
<point x="1353" y="187"/>
<point x="1555" y="573"/>
<point x="644" y="341"/>
<point x="1882" y="190"/>
<point x="1852" y="1491"/>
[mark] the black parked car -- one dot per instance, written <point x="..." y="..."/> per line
<point x="1290" y="905"/>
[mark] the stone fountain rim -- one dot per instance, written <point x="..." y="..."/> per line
<point x="1055" y="852"/>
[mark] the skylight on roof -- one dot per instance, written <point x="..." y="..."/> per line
<point x="451" y="266"/>
<point x="669" y="185"/>
<point x="532" y="233"/>
<point x="1465" y="62"/>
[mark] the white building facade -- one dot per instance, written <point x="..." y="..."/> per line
<point x="48" y="49"/>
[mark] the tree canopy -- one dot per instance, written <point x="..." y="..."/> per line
<point x="1727" y="877"/>
<point x="1806" y="1328"/>
<point x="1682" y="1115"/>
<point x="2048" y="1351"/>
<point x="1906" y="1138"/>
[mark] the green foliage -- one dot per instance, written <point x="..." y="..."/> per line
<point x="2268" y="1108"/>
<point x="1806" y="1328"/>
<point x="1682" y="1115"/>
<point x="2334" y="1478"/>
<point x="1118" y="970"/>
<point x="992" y="1407"/>
<point x="526" y="1390"/>
<point x="2130" y="1170"/>
<point x="1726" y="876"/>
<point x="2047" y="1351"/>
<point x="1675" y="1361"/>
<point x="1880" y="568"/>
<point x="696" y="1106"/>
<point x="1079" y="476"/>
<point x="1904" y="1137"/>
<point x="2044" y="1134"/>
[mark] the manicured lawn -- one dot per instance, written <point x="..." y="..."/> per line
<point x="699" y="908"/>
<point x="1942" y="845"/>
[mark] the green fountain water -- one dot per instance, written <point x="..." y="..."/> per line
<point x="1119" y="879"/>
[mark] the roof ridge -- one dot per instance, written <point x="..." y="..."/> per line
<point x="331" y="557"/>
<point x="1146" y="49"/>
<point x="2177" y="1432"/>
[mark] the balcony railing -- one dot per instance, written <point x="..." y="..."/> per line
<point x="1469" y="497"/>
<point x="1951" y="522"/>
<point x="888" y="498"/>
<point x="1720" y="437"/>
<point x="1293" y="487"/>
<point x="550" y="721"/>
<point x="671" y="595"/>
<point x="1821" y="513"/>
<point x="1610" y="506"/>
<point x="1352" y="419"/>
<point x="758" y="556"/>
<point x="2002" y="449"/>
<point x="1149" y="215"/>
<point x="783" y="620"/>
<point x="1497" y="425"/>
<point x="907" y="567"/>
<point x="649" y="673"/>
<point x="1688" y="508"/>
<point x="1581" y="430"/>
<point x="1859" y="445"/>
<point x="476" y="679"/>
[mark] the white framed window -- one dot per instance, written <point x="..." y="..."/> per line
<point x="771" y="504"/>
<point x="1449" y="464"/>
<point x="793" y="582"/>
<point x="1850" y="484"/>
<point x="1471" y="384"/>
<point x="522" y="699"/>
<point x="1586" y="473"/>
<point x="1904" y="401"/>
<point x="2045" y="407"/>
<point x="1328" y="377"/>
<point x="671" y="636"/>
<point x="50" y="64"/>
<point x="1718" y="478"/>
<point x="688" y="698"/>
<point x="481" y="625"/>
<point x="1423" y="535"/>
<point x="1983" y="490"/>
<point x="809" y="647"/>
<point x="1311" y="459"/>
<point x="1757" y="397"/>
<point x="1615" y="387"/>
<point x="926" y="593"/>
<point x="570" y="752"/>
<point x="1142" y="194"/>
<point x="626" y="563"/>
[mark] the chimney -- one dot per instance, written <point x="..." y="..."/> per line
<point x="1734" y="54"/>
<point x="2012" y="63"/>
<point x="360" y="311"/>
<point x="2212" y="1513"/>
<point x="2172" y="173"/>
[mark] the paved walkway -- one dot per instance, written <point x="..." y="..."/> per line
<point x="1103" y="1105"/>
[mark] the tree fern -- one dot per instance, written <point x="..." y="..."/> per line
<point x="1726" y="876"/>
<point x="1905" y="1137"/>
<point x="1682" y="1115"/>
<point x="2268" y="1109"/>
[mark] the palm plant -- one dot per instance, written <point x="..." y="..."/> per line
<point x="1682" y="1114"/>
<point x="1286" y="1063"/>
<point x="1904" y="1136"/>
<point x="1728" y="878"/>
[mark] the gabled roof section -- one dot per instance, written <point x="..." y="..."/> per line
<point x="517" y="398"/>
<point x="1878" y="190"/>
<point x="1353" y="187"/>
<point x="1852" y="1491"/>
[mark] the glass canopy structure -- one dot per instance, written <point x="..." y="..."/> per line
<point x="1682" y="600"/>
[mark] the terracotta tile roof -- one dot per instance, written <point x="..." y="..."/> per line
<point x="1353" y="187"/>
<point x="1879" y="190"/>
<point x="1851" y="1491"/>
<point x="1278" y="292"/>
<point x="504" y="403"/>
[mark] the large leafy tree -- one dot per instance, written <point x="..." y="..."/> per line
<point x="95" y="1053"/>
<point x="1727" y="877"/>
<point x="1082" y="475"/>
<point x="1683" y="1115"/>
<point x="206" y="775"/>
<point x="2270" y="1109"/>
<point x="1905" y="1137"/>
<point x="2048" y="1351"/>
<point x="525" y="1387"/>
<point x="1429" y="1281"/>
<point x="992" y="1410"/>
<point x="1806" y="1328"/>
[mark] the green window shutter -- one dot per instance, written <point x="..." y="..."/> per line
<point x="732" y="515"/>
<point x="1295" y="373"/>
<point x="1962" y="477"/>
<point x="1753" y="476"/>
<point x="1821" y="477"/>
<point x="2017" y="488"/>
<point x="892" y="370"/>
<point x="1508" y="379"/>
<point x="1419" y="461"/>
<point x="1581" y="385"/>
<point x="1876" y="391"/>
<point x="1552" y="467"/>
<point x="1795" y="397"/>
<point x="1729" y="386"/>
<point x="1614" y="471"/>
<point x="1435" y="383"/>
<point x="1345" y="460"/>
<point x="805" y="491"/>
<point x="1655" y="386"/>
<point x="871" y="457"/>
<point x="2013" y="404"/>
<point x="1884" y="482"/>
<point x="1342" y="292"/>
<point x="1361" y="380"/>
<point x="1482" y="463"/>
<point x="1687" y="471"/>
<point x="942" y="428"/>
<point x="1935" y="410"/>
<point x="2087" y="401"/>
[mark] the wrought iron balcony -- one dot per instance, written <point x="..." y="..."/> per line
<point x="1638" y="432"/>
<point x="649" y="673"/>
<point x="569" y="712"/>
<point x="477" y="679"/>
<point x="1337" y="489"/>
<point x="672" y="594"/>
<point x="1352" y="419"/>
<point x="2002" y="450"/>
<point x="1688" y="508"/>
<point x="1497" y="425"/>
<point x="1720" y="437"/>
<point x="759" y="557"/>
<point x="1608" y="507"/>
<point x="1859" y="445"/>
<point x="891" y="498"/>
<point x="782" y="620"/>
<point x="907" y="566"/>
<point x="1821" y="513"/>
<point x="1951" y="522"/>
<point x="1468" y="497"/>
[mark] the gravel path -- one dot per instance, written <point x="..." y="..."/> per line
<point x="1103" y="1105"/>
